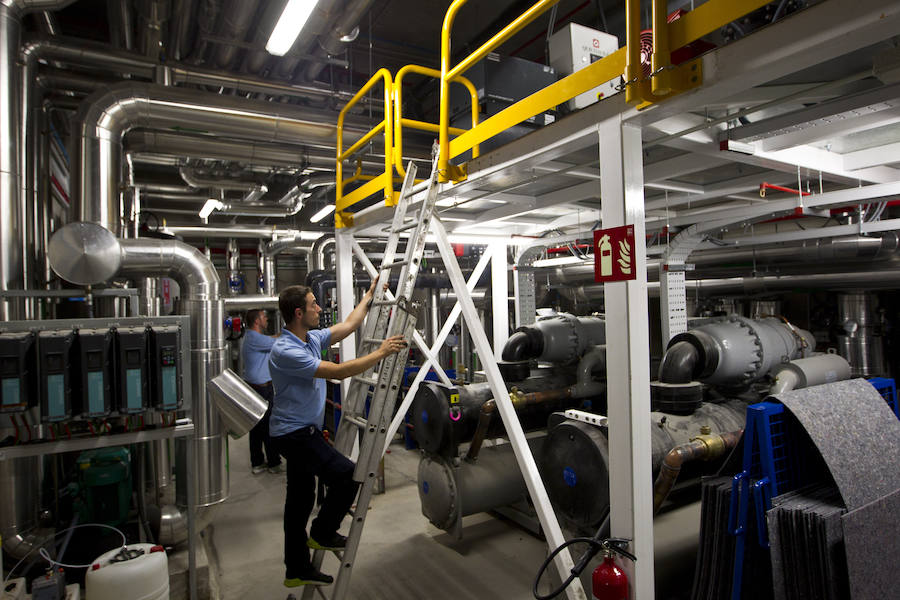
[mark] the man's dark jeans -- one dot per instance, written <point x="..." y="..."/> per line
<point x="259" y="435"/>
<point x="309" y="456"/>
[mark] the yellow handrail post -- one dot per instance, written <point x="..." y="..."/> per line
<point x="341" y="218"/>
<point x="660" y="59"/>
<point x="446" y="171"/>
<point x="633" y="70"/>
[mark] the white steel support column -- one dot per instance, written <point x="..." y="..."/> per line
<point x="527" y="465"/>
<point x="499" y="296"/>
<point x="628" y="368"/>
<point x="343" y="256"/>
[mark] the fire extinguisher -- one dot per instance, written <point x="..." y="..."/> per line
<point x="609" y="582"/>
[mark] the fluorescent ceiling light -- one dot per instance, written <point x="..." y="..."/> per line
<point x="562" y="260"/>
<point x="208" y="208"/>
<point x="289" y="25"/>
<point x="322" y="214"/>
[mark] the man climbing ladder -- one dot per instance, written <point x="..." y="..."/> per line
<point x="391" y="318"/>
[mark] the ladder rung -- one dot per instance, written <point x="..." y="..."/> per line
<point x="372" y="340"/>
<point x="407" y="227"/>
<point x="398" y="263"/>
<point x="385" y="303"/>
<point x="358" y="421"/>
<point x="366" y="380"/>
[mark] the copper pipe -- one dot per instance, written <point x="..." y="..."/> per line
<point x="703" y="447"/>
<point x="484" y="421"/>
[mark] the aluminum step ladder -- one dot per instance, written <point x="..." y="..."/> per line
<point x="389" y="315"/>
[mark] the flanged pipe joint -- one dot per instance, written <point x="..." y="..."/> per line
<point x="732" y="352"/>
<point x="562" y="339"/>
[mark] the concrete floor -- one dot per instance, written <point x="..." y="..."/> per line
<point x="401" y="556"/>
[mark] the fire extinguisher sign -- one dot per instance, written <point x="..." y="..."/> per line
<point x="614" y="254"/>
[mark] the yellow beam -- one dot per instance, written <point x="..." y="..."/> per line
<point x="579" y="82"/>
<point x="364" y="191"/>
<point x="708" y="18"/>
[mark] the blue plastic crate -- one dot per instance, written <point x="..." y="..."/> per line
<point x="888" y="390"/>
<point x="772" y="466"/>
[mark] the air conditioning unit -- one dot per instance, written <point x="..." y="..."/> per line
<point x="574" y="47"/>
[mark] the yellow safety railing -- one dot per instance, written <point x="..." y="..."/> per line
<point x="385" y="181"/>
<point x="665" y="80"/>
<point x="400" y="122"/>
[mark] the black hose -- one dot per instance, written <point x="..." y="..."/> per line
<point x="517" y="347"/>
<point x="596" y="544"/>
<point x="679" y="363"/>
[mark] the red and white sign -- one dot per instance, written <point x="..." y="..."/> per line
<point x="614" y="254"/>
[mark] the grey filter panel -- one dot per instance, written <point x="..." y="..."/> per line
<point x="873" y="544"/>
<point x="807" y="545"/>
<point x="856" y="433"/>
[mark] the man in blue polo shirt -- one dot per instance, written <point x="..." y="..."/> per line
<point x="255" y="355"/>
<point x="298" y="413"/>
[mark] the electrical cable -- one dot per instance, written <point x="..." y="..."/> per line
<point x="43" y="551"/>
<point x="596" y="543"/>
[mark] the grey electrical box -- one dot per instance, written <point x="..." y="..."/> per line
<point x="18" y="372"/>
<point x="51" y="586"/>
<point x="132" y="372"/>
<point x="165" y="367"/>
<point x="55" y="349"/>
<point x="96" y="373"/>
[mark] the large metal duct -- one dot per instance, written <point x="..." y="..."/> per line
<point x="195" y="180"/>
<point x="102" y="57"/>
<point x="235" y="21"/>
<point x="180" y="30"/>
<point x="273" y="249"/>
<point x="276" y="155"/>
<point x="330" y="42"/>
<point x="13" y="204"/>
<point x="811" y="252"/>
<point x="106" y="116"/>
<point x="86" y="254"/>
<point x="322" y="246"/>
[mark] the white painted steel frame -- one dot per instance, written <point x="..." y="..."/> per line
<point x="527" y="465"/>
<point x="628" y="369"/>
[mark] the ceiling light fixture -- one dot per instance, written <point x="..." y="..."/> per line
<point x="289" y="25"/>
<point x="322" y="214"/>
<point x="208" y="208"/>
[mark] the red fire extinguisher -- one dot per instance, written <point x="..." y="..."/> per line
<point x="609" y="581"/>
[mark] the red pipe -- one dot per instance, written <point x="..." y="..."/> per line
<point x="771" y="186"/>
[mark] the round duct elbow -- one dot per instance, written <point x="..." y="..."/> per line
<point x="240" y="407"/>
<point x="85" y="253"/>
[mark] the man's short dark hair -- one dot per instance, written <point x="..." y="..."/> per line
<point x="252" y="315"/>
<point x="290" y="299"/>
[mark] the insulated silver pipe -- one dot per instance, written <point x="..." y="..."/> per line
<point x="276" y="247"/>
<point x="236" y="18"/>
<point x="330" y="43"/>
<point x="107" y="115"/>
<point x="193" y="179"/>
<point x="277" y="155"/>
<point x="19" y="482"/>
<point x="319" y="250"/>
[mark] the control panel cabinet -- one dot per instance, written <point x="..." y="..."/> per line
<point x="132" y="370"/>
<point x="56" y="358"/>
<point x="96" y="372"/>
<point x="165" y="367"/>
<point x="18" y="371"/>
